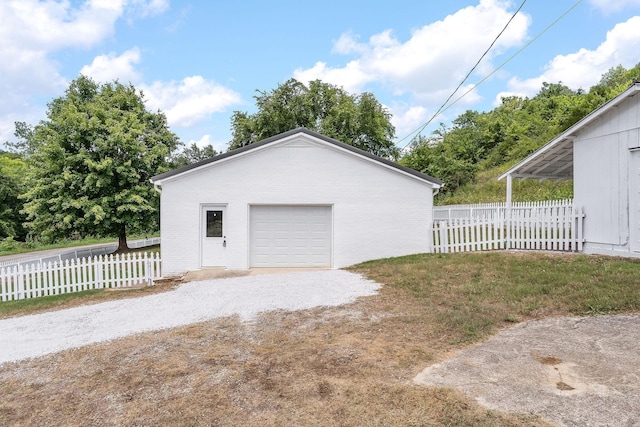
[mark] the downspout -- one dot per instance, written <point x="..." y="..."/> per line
<point x="157" y="187"/>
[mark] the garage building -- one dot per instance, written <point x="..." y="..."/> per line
<point x="298" y="199"/>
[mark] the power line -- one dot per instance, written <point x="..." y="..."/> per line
<point x="470" y="71"/>
<point x="512" y="56"/>
<point x="442" y="108"/>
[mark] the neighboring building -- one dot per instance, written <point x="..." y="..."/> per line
<point x="601" y="153"/>
<point x="298" y="199"/>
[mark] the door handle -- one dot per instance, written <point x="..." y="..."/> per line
<point x="224" y="242"/>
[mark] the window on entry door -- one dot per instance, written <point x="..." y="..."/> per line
<point x="214" y="223"/>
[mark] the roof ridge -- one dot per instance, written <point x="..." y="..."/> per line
<point x="287" y="134"/>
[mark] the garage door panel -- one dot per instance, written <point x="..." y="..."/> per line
<point x="290" y="236"/>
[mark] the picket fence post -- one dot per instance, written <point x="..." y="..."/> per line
<point x="148" y="270"/>
<point x="20" y="283"/>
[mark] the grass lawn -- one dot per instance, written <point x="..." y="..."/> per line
<point x="349" y="365"/>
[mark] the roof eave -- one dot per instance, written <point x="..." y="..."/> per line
<point x="570" y="132"/>
<point x="158" y="179"/>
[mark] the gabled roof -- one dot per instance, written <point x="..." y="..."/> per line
<point x="555" y="159"/>
<point x="157" y="180"/>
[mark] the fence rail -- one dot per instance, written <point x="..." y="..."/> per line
<point x="55" y="278"/>
<point x="448" y="212"/>
<point x="554" y="225"/>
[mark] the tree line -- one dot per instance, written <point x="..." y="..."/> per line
<point x="84" y="170"/>
<point x="479" y="141"/>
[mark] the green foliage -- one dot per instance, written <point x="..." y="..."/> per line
<point x="12" y="169"/>
<point x="487" y="189"/>
<point x="481" y="142"/>
<point x="90" y="163"/>
<point x="358" y="120"/>
<point x="192" y="154"/>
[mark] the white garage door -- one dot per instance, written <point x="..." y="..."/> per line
<point x="290" y="236"/>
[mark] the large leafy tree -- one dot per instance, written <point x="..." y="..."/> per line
<point x="192" y="154"/>
<point x="358" y="120"/>
<point x="12" y="170"/>
<point x="91" y="160"/>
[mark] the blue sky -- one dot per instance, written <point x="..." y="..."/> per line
<point x="198" y="61"/>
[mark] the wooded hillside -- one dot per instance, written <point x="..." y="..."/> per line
<point x="470" y="154"/>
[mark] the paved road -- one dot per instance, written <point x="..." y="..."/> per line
<point x="77" y="251"/>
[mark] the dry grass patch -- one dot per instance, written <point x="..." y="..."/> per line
<point x="319" y="367"/>
<point x="343" y="366"/>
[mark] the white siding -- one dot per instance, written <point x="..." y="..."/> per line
<point x="378" y="211"/>
<point x="602" y="176"/>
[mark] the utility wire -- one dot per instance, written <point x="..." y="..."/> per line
<point x="445" y="107"/>
<point x="471" y="70"/>
<point x="513" y="56"/>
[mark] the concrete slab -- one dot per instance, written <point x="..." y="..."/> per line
<point x="577" y="371"/>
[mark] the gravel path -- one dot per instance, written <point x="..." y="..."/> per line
<point x="36" y="335"/>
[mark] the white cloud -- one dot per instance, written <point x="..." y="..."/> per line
<point x="48" y="26"/>
<point x="435" y="58"/>
<point x="203" y="141"/>
<point x="348" y="44"/>
<point x="219" y="146"/>
<point x="352" y="77"/>
<point x="426" y="68"/>
<point x="32" y="31"/>
<point x="610" y="6"/>
<point x="584" y="68"/>
<point x="150" y="7"/>
<point x="406" y="118"/>
<point x="191" y="100"/>
<point x="106" y="68"/>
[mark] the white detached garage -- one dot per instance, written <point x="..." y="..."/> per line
<point x="298" y="199"/>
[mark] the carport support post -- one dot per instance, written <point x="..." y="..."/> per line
<point x="508" y="209"/>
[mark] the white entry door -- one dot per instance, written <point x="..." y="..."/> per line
<point x="290" y="236"/>
<point x="213" y="237"/>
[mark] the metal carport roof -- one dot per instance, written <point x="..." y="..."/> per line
<point x="555" y="159"/>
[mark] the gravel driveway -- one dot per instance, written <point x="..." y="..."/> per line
<point x="39" y="334"/>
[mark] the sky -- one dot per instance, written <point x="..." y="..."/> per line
<point x="199" y="61"/>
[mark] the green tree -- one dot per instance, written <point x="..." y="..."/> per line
<point x="192" y="154"/>
<point x="12" y="170"/>
<point x="435" y="157"/>
<point x="90" y="163"/>
<point x="358" y="120"/>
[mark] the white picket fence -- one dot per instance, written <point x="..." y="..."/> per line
<point x="552" y="225"/>
<point x="55" y="278"/>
